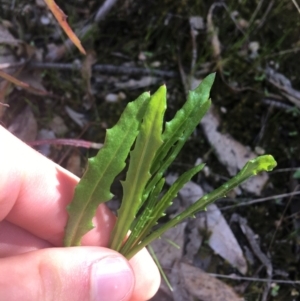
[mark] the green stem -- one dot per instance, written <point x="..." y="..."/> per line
<point x="253" y="167"/>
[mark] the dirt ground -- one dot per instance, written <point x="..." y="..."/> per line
<point x="135" y="46"/>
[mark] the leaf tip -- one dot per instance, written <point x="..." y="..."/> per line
<point x="162" y="90"/>
<point x="265" y="163"/>
<point x="81" y="49"/>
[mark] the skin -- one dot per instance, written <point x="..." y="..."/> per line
<point x="34" y="193"/>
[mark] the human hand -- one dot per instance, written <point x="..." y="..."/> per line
<point x="34" y="193"/>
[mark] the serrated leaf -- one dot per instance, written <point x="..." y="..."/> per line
<point x="251" y="168"/>
<point x="139" y="225"/>
<point x="196" y="99"/>
<point x="94" y="187"/>
<point x="179" y="129"/>
<point x="147" y="143"/>
<point x="156" y="211"/>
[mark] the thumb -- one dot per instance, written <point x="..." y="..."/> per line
<point x="60" y="274"/>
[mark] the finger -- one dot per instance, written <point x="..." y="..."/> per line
<point x="35" y="193"/>
<point x="79" y="273"/>
<point x="15" y="240"/>
<point x="146" y="274"/>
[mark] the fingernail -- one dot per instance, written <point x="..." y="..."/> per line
<point x="111" y="279"/>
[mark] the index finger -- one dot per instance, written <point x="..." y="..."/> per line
<point x="34" y="193"/>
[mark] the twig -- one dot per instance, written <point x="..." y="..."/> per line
<point x="290" y="169"/>
<point x="12" y="65"/>
<point x="236" y="277"/>
<point x="187" y="80"/>
<point x="212" y="33"/>
<point x="100" y="15"/>
<point x="276" y="103"/>
<point x="68" y="44"/>
<point x="297" y="6"/>
<point x="103" y="68"/>
<point x="183" y="76"/>
<point x="71" y="142"/>
<point x="194" y="34"/>
<point x="258" y="7"/>
<point x="104" y="10"/>
<point x="265" y="119"/>
<point x="250" y="235"/>
<point x="107" y="69"/>
<point x="233" y="19"/>
<point x="263" y="19"/>
<point x="281" y="220"/>
<point x="216" y="47"/>
<point x="67" y="152"/>
<point x="283" y="52"/>
<point x="256" y="201"/>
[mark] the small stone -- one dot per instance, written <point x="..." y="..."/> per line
<point x="142" y="56"/>
<point x="40" y="3"/>
<point x="156" y="64"/>
<point x="111" y="97"/>
<point x="45" y="20"/>
<point x="121" y="95"/>
<point x="58" y="126"/>
<point x="223" y="110"/>
<point x="259" y="150"/>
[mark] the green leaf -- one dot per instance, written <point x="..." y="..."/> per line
<point x="187" y="118"/>
<point x="94" y="187"/>
<point x="142" y="206"/>
<point x="140" y="225"/>
<point x="179" y="129"/>
<point x="155" y="210"/>
<point x="164" y="276"/>
<point x="252" y="167"/>
<point x="147" y="143"/>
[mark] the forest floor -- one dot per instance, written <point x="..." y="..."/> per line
<point x="135" y="46"/>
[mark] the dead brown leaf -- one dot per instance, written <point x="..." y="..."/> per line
<point x="6" y="37"/>
<point x="86" y="72"/>
<point x="230" y="152"/>
<point x="167" y="253"/>
<point x="58" y="126"/>
<point x="22" y="84"/>
<point x="205" y="287"/>
<point x="213" y="32"/>
<point x="74" y="164"/>
<point x="180" y="293"/>
<point x="24" y="126"/>
<point x="221" y="238"/>
<point x="281" y="82"/>
<point x="62" y="20"/>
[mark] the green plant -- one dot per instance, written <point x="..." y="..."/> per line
<point x="153" y="145"/>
